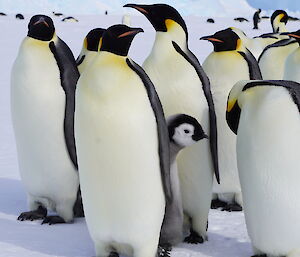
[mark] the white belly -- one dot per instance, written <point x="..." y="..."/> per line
<point x="292" y="66"/>
<point x="118" y="159"/>
<point x="268" y="160"/>
<point x="38" y="107"/>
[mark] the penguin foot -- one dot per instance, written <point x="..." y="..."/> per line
<point x="53" y="220"/>
<point x="262" y="255"/>
<point x="113" y="254"/>
<point x="194" y="238"/>
<point x="232" y="207"/>
<point x="164" y="250"/>
<point x="216" y="203"/>
<point x="38" y="214"/>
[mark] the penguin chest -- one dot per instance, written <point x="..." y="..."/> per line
<point x="292" y="66"/>
<point x="268" y="162"/>
<point x="38" y="107"/>
<point x="118" y="157"/>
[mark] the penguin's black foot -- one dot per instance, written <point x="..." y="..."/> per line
<point x="194" y="238"/>
<point x="38" y="214"/>
<point x="262" y="255"/>
<point x="216" y="203"/>
<point x="232" y="207"/>
<point x="164" y="250"/>
<point x="113" y="254"/>
<point x="53" y="220"/>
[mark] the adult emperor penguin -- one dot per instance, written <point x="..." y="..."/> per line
<point x="184" y="131"/>
<point x="278" y="51"/>
<point x="123" y="150"/>
<point x="229" y="63"/>
<point x="183" y="87"/>
<point x="43" y="81"/>
<point x="292" y="64"/>
<point x="90" y="48"/>
<point x="279" y="20"/>
<point x="268" y="161"/>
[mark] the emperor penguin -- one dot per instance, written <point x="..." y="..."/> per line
<point x="43" y="82"/>
<point x="123" y="150"/>
<point x="268" y="161"/>
<point x="183" y="87"/>
<point x="90" y="48"/>
<point x="292" y="63"/>
<point x="279" y="20"/>
<point x="184" y="131"/>
<point x="229" y="63"/>
<point x="272" y="59"/>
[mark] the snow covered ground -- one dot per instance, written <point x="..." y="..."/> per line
<point x="227" y="231"/>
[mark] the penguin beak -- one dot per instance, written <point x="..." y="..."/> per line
<point x="140" y="8"/>
<point x="133" y="31"/>
<point x="41" y="20"/>
<point x="211" y="39"/>
<point x="293" y="35"/>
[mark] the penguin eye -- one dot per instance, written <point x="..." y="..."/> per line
<point x="186" y="131"/>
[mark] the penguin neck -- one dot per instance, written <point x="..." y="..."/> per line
<point x="38" y="44"/>
<point x="279" y="27"/>
<point x="174" y="150"/>
<point x="111" y="58"/>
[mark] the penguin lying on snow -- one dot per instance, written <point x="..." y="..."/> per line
<point x="69" y="19"/>
<point x="240" y="19"/>
<point x="183" y="86"/>
<point x="268" y="161"/>
<point x="90" y="48"/>
<point x="57" y="14"/>
<point x="292" y="63"/>
<point x="3" y="14"/>
<point x="43" y="81"/>
<point x="210" y="20"/>
<point x="19" y="16"/>
<point x="229" y="63"/>
<point x="184" y="131"/>
<point x="123" y="150"/>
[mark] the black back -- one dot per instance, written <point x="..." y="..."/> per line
<point x="254" y="70"/>
<point x="162" y="129"/>
<point x="68" y="75"/>
<point x="213" y="137"/>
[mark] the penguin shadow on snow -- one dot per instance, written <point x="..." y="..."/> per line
<point x="58" y="240"/>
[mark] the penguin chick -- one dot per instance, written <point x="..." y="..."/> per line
<point x="184" y="131"/>
<point x="90" y="48"/>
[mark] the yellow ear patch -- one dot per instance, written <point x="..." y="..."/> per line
<point x="280" y="16"/>
<point x="85" y="43"/>
<point x="230" y="104"/>
<point x="238" y="44"/>
<point x="100" y="44"/>
<point x="170" y="24"/>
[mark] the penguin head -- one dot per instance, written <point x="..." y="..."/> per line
<point x="278" y="20"/>
<point x="184" y="130"/>
<point x="295" y="35"/>
<point x="92" y="41"/>
<point x="117" y="39"/>
<point x="224" y="40"/>
<point x="41" y="27"/>
<point x="163" y="17"/>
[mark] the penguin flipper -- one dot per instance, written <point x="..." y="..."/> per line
<point x="192" y="59"/>
<point x="80" y="60"/>
<point x="162" y="128"/>
<point x="254" y="70"/>
<point x="69" y="76"/>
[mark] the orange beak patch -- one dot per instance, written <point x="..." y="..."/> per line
<point x="38" y="22"/>
<point x="294" y="35"/>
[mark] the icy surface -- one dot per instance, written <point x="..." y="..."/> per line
<point x="227" y="231"/>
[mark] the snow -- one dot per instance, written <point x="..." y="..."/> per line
<point x="227" y="231"/>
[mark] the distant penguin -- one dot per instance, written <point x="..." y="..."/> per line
<point x="184" y="131"/>
<point x="123" y="150"/>
<point x="183" y="87"/>
<point x="272" y="59"/>
<point x="126" y="20"/>
<point x="256" y="19"/>
<point x="265" y="116"/>
<point x="210" y="20"/>
<point x="90" y="48"/>
<point x="19" y="16"/>
<point x="229" y="63"/>
<point x="43" y="81"/>
<point x="69" y="19"/>
<point x="292" y="63"/>
<point x="241" y="19"/>
<point x="3" y="14"/>
<point x="57" y="14"/>
<point x="279" y="20"/>
<point x="106" y="12"/>
<point x="293" y="18"/>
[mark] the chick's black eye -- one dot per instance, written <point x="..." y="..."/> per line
<point x="186" y="131"/>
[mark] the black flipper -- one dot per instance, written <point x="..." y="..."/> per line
<point x="162" y="128"/>
<point x="213" y="138"/>
<point x="283" y="42"/>
<point x="268" y="35"/>
<point x="292" y="86"/>
<point x="80" y="60"/>
<point x="69" y="75"/>
<point x="254" y="70"/>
